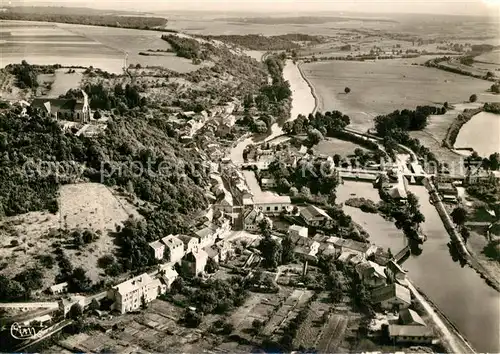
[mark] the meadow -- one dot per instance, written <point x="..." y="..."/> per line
<point x="381" y="87"/>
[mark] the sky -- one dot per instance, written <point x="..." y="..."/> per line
<point x="453" y="7"/>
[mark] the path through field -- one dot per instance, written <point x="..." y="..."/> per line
<point x="333" y="334"/>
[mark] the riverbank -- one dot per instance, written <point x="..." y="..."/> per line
<point x="458" y="123"/>
<point x="311" y="87"/>
<point x="451" y="339"/>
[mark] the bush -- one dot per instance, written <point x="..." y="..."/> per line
<point x="473" y="98"/>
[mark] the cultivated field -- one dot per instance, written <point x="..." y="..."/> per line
<point x="79" y="45"/>
<point x="384" y="86"/>
<point x="81" y="206"/>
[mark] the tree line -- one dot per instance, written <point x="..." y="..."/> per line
<point x="132" y="22"/>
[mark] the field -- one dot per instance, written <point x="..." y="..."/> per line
<point x="90" y="206"/>
<point x="79" y="45"/>
<point x="384" y="86"/>
<point x="332" y="146"/>
<point x="491" y="57"/>
<point x="61" y="82"/>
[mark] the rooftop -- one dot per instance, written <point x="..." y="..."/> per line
<point x="408" y="317"/>
<point x="391" y="291"/>
<point x="172" y="241"/>
<point x="297" y="228"/>
<point x="134" y="284"/>
<point x="156" y="245"/>
<point x="350" y="244"/>
<point x="370" y="267"/>
<point x="312" y="211"/>
<point x="409" y="331"/>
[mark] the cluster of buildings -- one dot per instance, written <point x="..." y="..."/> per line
<point x="219" y="120"/>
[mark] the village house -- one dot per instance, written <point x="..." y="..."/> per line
<point x="206" y="236"/>
<point x="252" y="219"/>
<point x="272" y="203"/>
<point x="395" y="273"/>
<point x="347" y="245"/>
<point x="175" y="248"/>
<point x="371" y="274"/>
<point x="305" y="248"/>
<point x="392" y="297"/>
<point x="133" y="293"/>
<point x="168" y="275"/>
<point x="158" y="249"/>
<point x="65" y="109"/>
<point x="314" y="216"/>
<point x="191" y="244"/>
<point x="410" y="334"/>
<point x="59" y="288"/>
<point x="225" y="250"/>
<point x="194" y="262"/>
<point x="296" y="230"/>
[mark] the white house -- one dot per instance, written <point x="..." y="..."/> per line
<point x="296" y="230"/>
<point x="168" y="275"/>
<point x="305" y="247"/>
<point x="190" y="243"/>
<point x="158" y="249"/>
<point x="59" y="288"/>
<point x="206" y="236"/>
<point x="131" y="294"/>
<point x="175" y="246"/>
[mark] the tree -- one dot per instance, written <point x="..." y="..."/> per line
<point x="473" y="98"/>
<point x="75" y="311"/>
<point x="287" y="254"/>
<point x="257" y="326"/>
<point x="97" y="114"/>
<point x="271" y="252"/>
<point x="459" y="216"/>
<point x="314" y="136"/>
<point x="494" y="161"/>
<point x="465" y="234"/>
<point x="336" y="159"/>
<point x="191" y="319"/>
<point x="495" y="88"/>
<point x="347" y="90"/>
<point x="211" y="266"/>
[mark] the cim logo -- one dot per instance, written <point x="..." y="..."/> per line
<point x="20" y="331"/>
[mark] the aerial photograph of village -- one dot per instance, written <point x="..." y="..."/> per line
<point x="265" y="176"/>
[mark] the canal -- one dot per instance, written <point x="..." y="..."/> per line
<point x="459" y="292"/>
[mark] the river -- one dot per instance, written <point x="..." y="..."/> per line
<point x="302" y="103"/>
<point x="482" y="133"/>
<point x="459" y="292"/>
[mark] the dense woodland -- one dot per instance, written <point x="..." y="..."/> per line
<point x="135" y="22"/>
<point x="264" y="43"/>
<point x="394" y="128"/>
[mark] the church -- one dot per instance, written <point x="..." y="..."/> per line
<point x="63" y="108"/>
